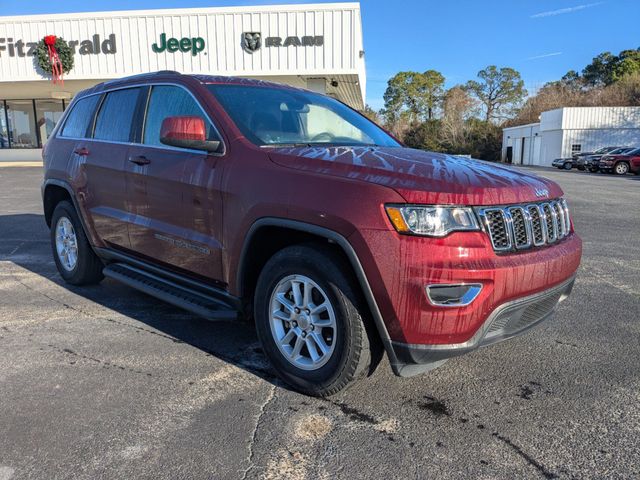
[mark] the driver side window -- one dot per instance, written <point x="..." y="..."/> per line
<point x="170" y="101"/>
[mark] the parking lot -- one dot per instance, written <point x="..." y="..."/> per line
<point x="105" y="382"/>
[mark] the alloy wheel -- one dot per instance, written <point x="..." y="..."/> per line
<point x="303" y="322"/>
<point x="622" y="168"/>
<point x="66" y="244"/>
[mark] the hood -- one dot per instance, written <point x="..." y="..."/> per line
<point x="422" y="177"/>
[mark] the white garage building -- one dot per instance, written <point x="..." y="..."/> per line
<point x="565" y="131"/>
<point x="315" y="46"/>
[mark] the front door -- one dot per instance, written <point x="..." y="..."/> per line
<point x="174" y="194"/>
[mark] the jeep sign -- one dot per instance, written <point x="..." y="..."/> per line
<point x="194" y="45"/>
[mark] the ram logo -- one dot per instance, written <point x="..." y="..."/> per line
<point x="542" y="192"/>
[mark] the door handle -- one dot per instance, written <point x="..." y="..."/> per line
<point x="140" y="160"/>
<point x="82" y="151"/>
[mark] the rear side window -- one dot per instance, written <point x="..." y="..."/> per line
<point x="170" y="101"/>
<point x="80" y="117"/>
<point x="116" y="115"/>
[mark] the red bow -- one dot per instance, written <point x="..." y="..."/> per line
<point x="56" y="64"/>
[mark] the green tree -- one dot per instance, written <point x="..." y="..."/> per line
<point x="627" y="63"/>
<point x="371" y="114"/>
<point x="416" y="94"/>
<point x="500" y="91"/>
<point x="600" y="71"/>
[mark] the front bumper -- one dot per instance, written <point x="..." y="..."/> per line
<point x="400" y="267"/>
<point x="508" y="320"/>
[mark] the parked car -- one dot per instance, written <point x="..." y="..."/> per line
<point x="579" y="159"/>
<point x="237" y="198"/>
<point x="592" y="162"/>
<point x="563" y="163"/>
<point x="621" y="163"/>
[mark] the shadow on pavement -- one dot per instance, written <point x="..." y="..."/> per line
<point x="24" y="241"/>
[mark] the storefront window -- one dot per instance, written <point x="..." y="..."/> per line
<point x="22" y="124"/>
<point x="48" y="113"/>
<point x="4" y="131"/>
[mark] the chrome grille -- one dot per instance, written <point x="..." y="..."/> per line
<point x="551" y="222"/>
<point x="519" y="227"/>
<point x="496" y="223"/>
<point x="537" y="227"/>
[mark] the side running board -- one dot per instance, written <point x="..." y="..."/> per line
<point x="170" y="292"/>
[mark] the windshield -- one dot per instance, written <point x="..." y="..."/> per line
<point x="279" y="116"/>
<point x="619" y="151"/>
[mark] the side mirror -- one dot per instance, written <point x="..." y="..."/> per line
<point x="187" y="132"/>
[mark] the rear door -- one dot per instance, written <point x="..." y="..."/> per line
<point x="104" y="156"/>
<point x="174" y="193"/>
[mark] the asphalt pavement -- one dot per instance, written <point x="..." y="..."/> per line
<point x="104" y="382"/>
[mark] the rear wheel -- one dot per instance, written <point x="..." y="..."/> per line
<point x="567" y="166"/>
<point x="309" y="321"/>
<point x="621" y="168"/>
<point x="74" y="257"/>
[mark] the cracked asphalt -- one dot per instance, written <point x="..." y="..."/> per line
<point x="104" y="382"/>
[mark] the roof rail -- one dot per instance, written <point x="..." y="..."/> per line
<point x="141" y="75"/>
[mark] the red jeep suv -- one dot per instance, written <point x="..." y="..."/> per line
<point x="236" y="198"/>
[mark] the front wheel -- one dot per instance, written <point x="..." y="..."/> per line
<point x="621" y="168"/>
<point x="309" y="320"/>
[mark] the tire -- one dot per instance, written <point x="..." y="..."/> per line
<point x="621" y="168"/>
<point x="567" y="166"/>
<point x="86" y="269"/>
<point x="594" y="170"/>
<point x="350" y="347"/>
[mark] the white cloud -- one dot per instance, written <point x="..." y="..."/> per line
<point x="545" y="55"/>
<point x="562" y="11"/>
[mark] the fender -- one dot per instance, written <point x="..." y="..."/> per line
<point x="64" y="184"/>
<point x="67" y="187"/>
<point x="344" y="244"/>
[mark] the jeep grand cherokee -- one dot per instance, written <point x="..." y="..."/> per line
<point x="236" y="198"/>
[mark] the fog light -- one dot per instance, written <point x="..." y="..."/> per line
<point x="453" y="295"/>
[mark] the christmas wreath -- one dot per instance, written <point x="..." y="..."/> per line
<point x="54" y="57"/>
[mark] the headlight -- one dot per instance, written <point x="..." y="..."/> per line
<point x="431" y="220"/>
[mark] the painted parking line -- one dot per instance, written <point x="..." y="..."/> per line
<point x="20" y="164"/>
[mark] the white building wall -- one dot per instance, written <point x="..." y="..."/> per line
<point x="560" y="129"/>
<point x="600" y="117"/>
<point x="551" y="147"/>
<point x="221" y="28"/>
<point x="593" y="139"/>
<point x="515" y="137"/>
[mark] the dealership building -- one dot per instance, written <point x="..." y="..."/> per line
<point x="313" y="46"/>
<point x="565" y="131"/>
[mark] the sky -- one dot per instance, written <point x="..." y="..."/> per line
<point x="542" y="39"/>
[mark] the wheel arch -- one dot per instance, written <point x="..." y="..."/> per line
<point x="300" y="231"/>
<point x="53" y="192"/>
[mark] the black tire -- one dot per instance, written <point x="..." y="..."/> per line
<point x="594" y="170"/>
<point x="567" y="166"/>
<point x="621" y="168"/>
<point x="88" y="267"/>
<point x="355" y="345"/>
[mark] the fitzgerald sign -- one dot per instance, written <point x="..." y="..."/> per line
<point x="95" y="46"/>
